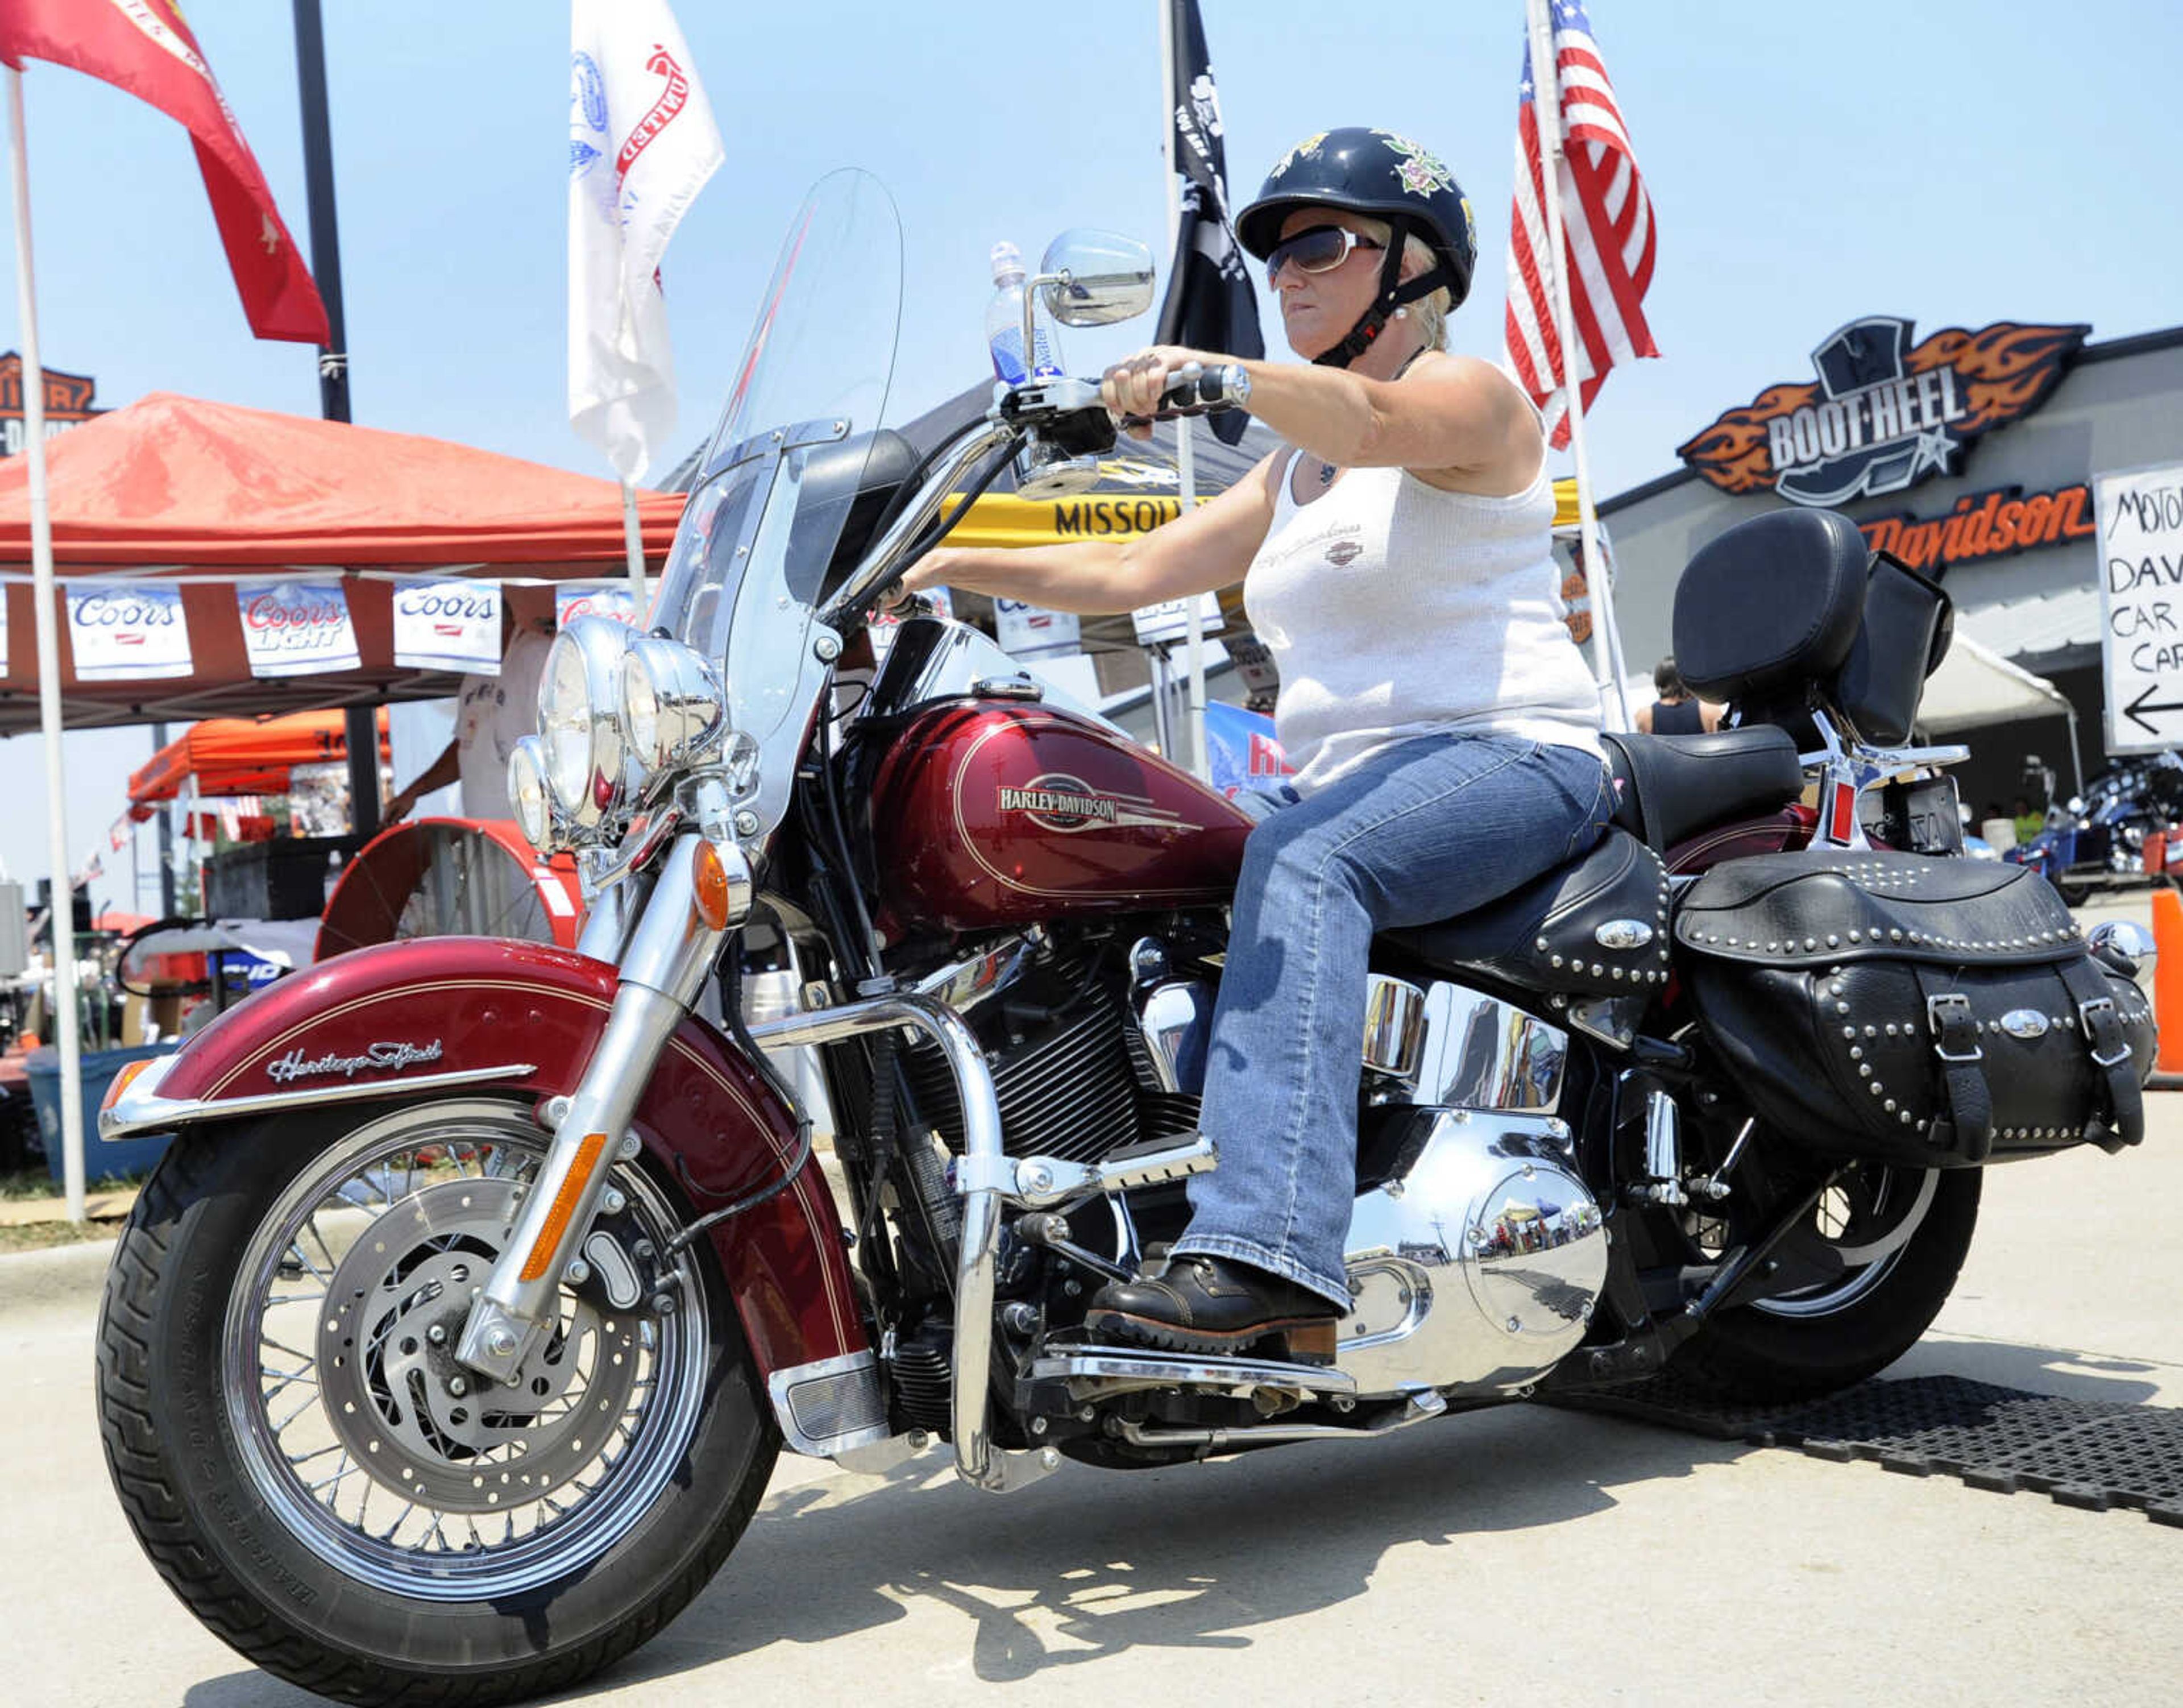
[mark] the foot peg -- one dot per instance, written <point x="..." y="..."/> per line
<point x="1038" y="1181"/>
<point x="1114" y="1369"/>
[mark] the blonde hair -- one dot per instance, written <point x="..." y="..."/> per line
<point x="1432" y="310"/>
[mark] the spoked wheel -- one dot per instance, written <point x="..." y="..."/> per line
<point x="328" y="1490"/>
<point x="1901" y="1235"/>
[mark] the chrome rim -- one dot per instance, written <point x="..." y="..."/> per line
<point x="1869" y="1215"/>
<point x="356" y="1426"/>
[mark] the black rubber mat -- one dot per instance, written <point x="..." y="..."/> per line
<point x="2089" y="1452"/>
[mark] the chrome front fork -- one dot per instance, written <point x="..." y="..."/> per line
<point x="662" y="970"/>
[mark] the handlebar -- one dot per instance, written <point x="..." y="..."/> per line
<point x="1198" y="390"/>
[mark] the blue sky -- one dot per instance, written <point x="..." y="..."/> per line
<point x="1953" y="162"/>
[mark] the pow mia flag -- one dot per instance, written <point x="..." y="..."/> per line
<point x="1210" y="304"/>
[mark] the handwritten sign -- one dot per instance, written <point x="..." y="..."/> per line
<point x="2141" y="523"/>
<point x="1168" y="621"/>
<point x="127" y="632"/>
<point x="617" y="601"/>
<point x="447" y="625"/>
<point x="296" y="628"/>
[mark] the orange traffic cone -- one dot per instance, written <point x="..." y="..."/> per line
<point x="2168" y="982"/>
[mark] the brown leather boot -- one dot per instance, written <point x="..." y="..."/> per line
<point x="1210" y="1304"/>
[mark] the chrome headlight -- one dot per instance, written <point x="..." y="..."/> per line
<point x="672" y="707"/>
<point x="580" y="720"/>
<point x="527" y="793"/>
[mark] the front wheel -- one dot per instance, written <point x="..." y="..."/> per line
<point x="1903" y="1235"/>
<point x="321" y="1483"/>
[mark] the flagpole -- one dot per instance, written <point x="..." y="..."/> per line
<point x="64" y="1016"/>
<point x="359" y="724"/>
<point x="1546" y="108"/>
<point x="1186" y="458"/>
<point x="632" y="535"/>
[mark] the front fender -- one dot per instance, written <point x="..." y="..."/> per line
<point x="414" y="1018"/>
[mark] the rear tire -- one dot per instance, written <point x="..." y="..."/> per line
<point x="1779" y="1352"/>
<point x="211" y="1297"/>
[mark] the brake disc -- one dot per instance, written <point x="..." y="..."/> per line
<point x="421" y="1423"/>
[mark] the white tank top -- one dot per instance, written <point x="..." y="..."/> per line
<point x="1394" y="608"/>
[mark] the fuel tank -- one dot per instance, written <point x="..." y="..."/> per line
<point x="989" y="812"/>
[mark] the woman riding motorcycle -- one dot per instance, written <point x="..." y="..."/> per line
<point x="1397" y="558"/>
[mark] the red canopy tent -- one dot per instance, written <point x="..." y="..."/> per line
<point x="244" y="756"/>
<point x="177" y="487"/>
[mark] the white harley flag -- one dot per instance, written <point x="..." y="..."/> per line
<point x="642" y="143"/>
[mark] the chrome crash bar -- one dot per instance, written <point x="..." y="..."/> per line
<point x="981" y="1177"/>
<point x="985" y="1177"/>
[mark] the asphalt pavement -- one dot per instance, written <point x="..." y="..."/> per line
<point x="1519" y="1555"/>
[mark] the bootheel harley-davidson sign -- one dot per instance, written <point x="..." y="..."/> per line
<point x="67" y="402"/>
<point x="1884" y="413"/>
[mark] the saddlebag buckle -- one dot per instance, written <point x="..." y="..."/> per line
<point x="1954" y="1029"/>
<point x="2103" y="1028"/>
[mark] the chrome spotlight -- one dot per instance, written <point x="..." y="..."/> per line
<point x="580" y="721"/>
<point x="672" y="706"/>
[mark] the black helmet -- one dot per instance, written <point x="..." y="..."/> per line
<point x="1389" y="177"/>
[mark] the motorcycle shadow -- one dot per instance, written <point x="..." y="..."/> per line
<point x="1091" y="1564"/>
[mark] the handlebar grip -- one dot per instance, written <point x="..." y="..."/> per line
<point x="1197" y="390"/>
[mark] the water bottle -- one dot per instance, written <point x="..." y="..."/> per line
<point x="1004" y="319"/>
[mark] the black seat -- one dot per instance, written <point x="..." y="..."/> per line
<point x="1667" y="788"/>
<point x="1598" y="926"/>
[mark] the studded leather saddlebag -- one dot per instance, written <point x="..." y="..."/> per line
<point x="1904" y="1008"/>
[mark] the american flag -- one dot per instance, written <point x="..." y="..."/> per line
<point x="1608" y="218"/>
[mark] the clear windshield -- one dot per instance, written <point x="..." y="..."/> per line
<point x="785" y="465"/>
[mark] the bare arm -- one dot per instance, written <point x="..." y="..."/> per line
<point x="1451" y="413"/>
<point x="437" y="775"/>
<point x="1209" y="547"/>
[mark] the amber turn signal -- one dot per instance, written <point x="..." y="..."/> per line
<point x="122" y="1081"/>
<point x="709" y="877"/>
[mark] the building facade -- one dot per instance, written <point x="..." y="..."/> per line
<point x="1973" y="457"/>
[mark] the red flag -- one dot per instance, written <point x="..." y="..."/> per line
<point x="146" y="47"/>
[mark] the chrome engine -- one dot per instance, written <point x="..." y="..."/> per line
<point x="1477" y="1263"/>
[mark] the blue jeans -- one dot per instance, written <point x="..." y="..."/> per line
<point x="1430" y="828"/>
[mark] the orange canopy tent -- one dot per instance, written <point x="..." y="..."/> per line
<point x="175" y="487"/>
<point x="244" y="756"/>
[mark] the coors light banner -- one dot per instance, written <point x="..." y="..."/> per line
<point x="296" y="628"/>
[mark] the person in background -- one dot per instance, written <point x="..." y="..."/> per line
<point x="1677" y="711"/>
<point x="2030" y="821"/>
<point x="491" y="714"/>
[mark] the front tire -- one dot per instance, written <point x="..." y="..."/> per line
<point x="314" y="1477"/>
<point x="1835" y="1335"/>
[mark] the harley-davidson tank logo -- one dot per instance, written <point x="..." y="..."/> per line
<point x="390" y="1057"/>
<point x="1342" y="553"/>
<point x="1057" y="802"/>
<point x="1883" y="415"/>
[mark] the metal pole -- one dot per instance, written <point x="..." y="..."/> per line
<point x="632" y="535"/>
<point x="1547" y="107"/>
<point x="165" y="811"/>
<point x="1186" y="460"/>
<point x="360" y="725"/>
<point x="65" y="1018"/>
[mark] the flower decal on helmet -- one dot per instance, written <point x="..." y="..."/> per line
<point x="1418" y="167"/>
<point x="1308" y="146"/>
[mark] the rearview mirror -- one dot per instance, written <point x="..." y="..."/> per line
<point x="1095" y="278"/>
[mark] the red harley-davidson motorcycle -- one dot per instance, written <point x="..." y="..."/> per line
<point x="451" y="1347"/>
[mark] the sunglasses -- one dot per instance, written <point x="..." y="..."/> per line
<point x="1320" y="250"/>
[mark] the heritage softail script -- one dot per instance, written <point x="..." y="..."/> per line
<point x="393" y="1057"/>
